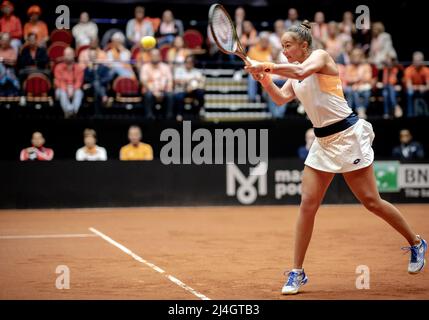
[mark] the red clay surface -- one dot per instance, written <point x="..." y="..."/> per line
<point x="223" y="253"/>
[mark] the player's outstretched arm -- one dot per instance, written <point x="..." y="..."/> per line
<point x="314" y="63"/>
<point x="280" y="96"/>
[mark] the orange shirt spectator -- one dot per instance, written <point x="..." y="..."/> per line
<point x="417" y="75"/>
<point x="141" y="151"/>
<point x="36" y="26"/>
<point x="390" y="75"/>
<point x="358" y="75"/>
<point x="67" y="75"/>
<point x="262" y="50"/>
<point x="39" y="28"/>
<point x="136" y="149"/>
<point x="10" y="23"/>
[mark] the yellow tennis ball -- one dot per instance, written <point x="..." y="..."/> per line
<point x="148" y="42"/>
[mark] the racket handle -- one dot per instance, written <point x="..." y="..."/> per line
<point x="246" y="60"/>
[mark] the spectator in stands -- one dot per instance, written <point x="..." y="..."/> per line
<point x="275" y="37"/>
<point x="239" y="17"/>
<point x="408" y="149"/>
<point x="85" y="30"/>
<point x="347" y="26"/>
<point x="358" y="76"/>
<point x="97" y="77"/>
<point x="11" y="24"/>
<point x="157" y="80"/>
<point x="249" y="36"/>
<point x="189" y="82"/>
<point x="389" y="77"/>
<point x="416" y="79"/>
<point x="138" y="27"/>
<point x="381" y="45"/>
<point x="91" y="151"/>
<point x="333" y="43"/>
<point x="177" y="54"/>
<point x="277" y="111"/>
<point x="344" y="57"/>
<point x="37" y="151"/>
<point x="68" y="82"/>
<point x="362" y="39"/>
<point x="319" y="28"/>
<point x="136" y="150"/>
<point x="169" y="28"/>
<point x="119" y="57"/>
<point x="9" y="84"/>
<point x="261" y="51"/>
<point x="309" y="138"/>
<point x="292" y="18"/>
<point x="83" y="57"/>
<point x="33" y="58"/>
<point x="34" y="25"/>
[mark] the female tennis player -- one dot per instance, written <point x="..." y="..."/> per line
<point x="342" y="145"/>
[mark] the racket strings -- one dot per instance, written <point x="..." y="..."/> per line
<point x="223" y="31"/>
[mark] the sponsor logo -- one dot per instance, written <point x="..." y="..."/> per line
<point x="246" y="192"/>
<point x="392" y="176"/>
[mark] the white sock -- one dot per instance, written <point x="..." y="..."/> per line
<point x="298" y="270"/>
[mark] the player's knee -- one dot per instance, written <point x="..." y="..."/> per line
<point x="309" y="204"/>
<point x="372" y="203"/>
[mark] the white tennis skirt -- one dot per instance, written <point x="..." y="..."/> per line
<point x="344" y="151"/>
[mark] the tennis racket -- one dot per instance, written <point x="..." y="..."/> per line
<point x="224" y="33"/>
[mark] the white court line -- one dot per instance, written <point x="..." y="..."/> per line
<point x="149" y="264"/>
<point x="49" y="236"/>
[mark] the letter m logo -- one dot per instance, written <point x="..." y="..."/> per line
<point x="246" y="192"/>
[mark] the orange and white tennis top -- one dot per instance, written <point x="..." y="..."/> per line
<point x="323" y="99"/>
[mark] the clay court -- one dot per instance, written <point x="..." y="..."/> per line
<point x="199" y="253"/>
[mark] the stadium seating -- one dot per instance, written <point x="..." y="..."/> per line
<point x="37" y="89"/>
<point x="127" y="92"/>
<point x="61" y="35"/>
<point x="56" y="53"/>
<point x="193" y="39"/>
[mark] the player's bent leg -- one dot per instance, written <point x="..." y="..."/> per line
<point x="363" y="185"/>
<point x="313" y="188"/>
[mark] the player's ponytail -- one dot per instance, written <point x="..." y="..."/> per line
<point x="302" y="32"/>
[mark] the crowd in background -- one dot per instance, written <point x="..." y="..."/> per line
<point x="366" y="58"/>
<point x="92" y="65"/>
<point x="367" y="62"/>
<point x="136" y="150"/>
